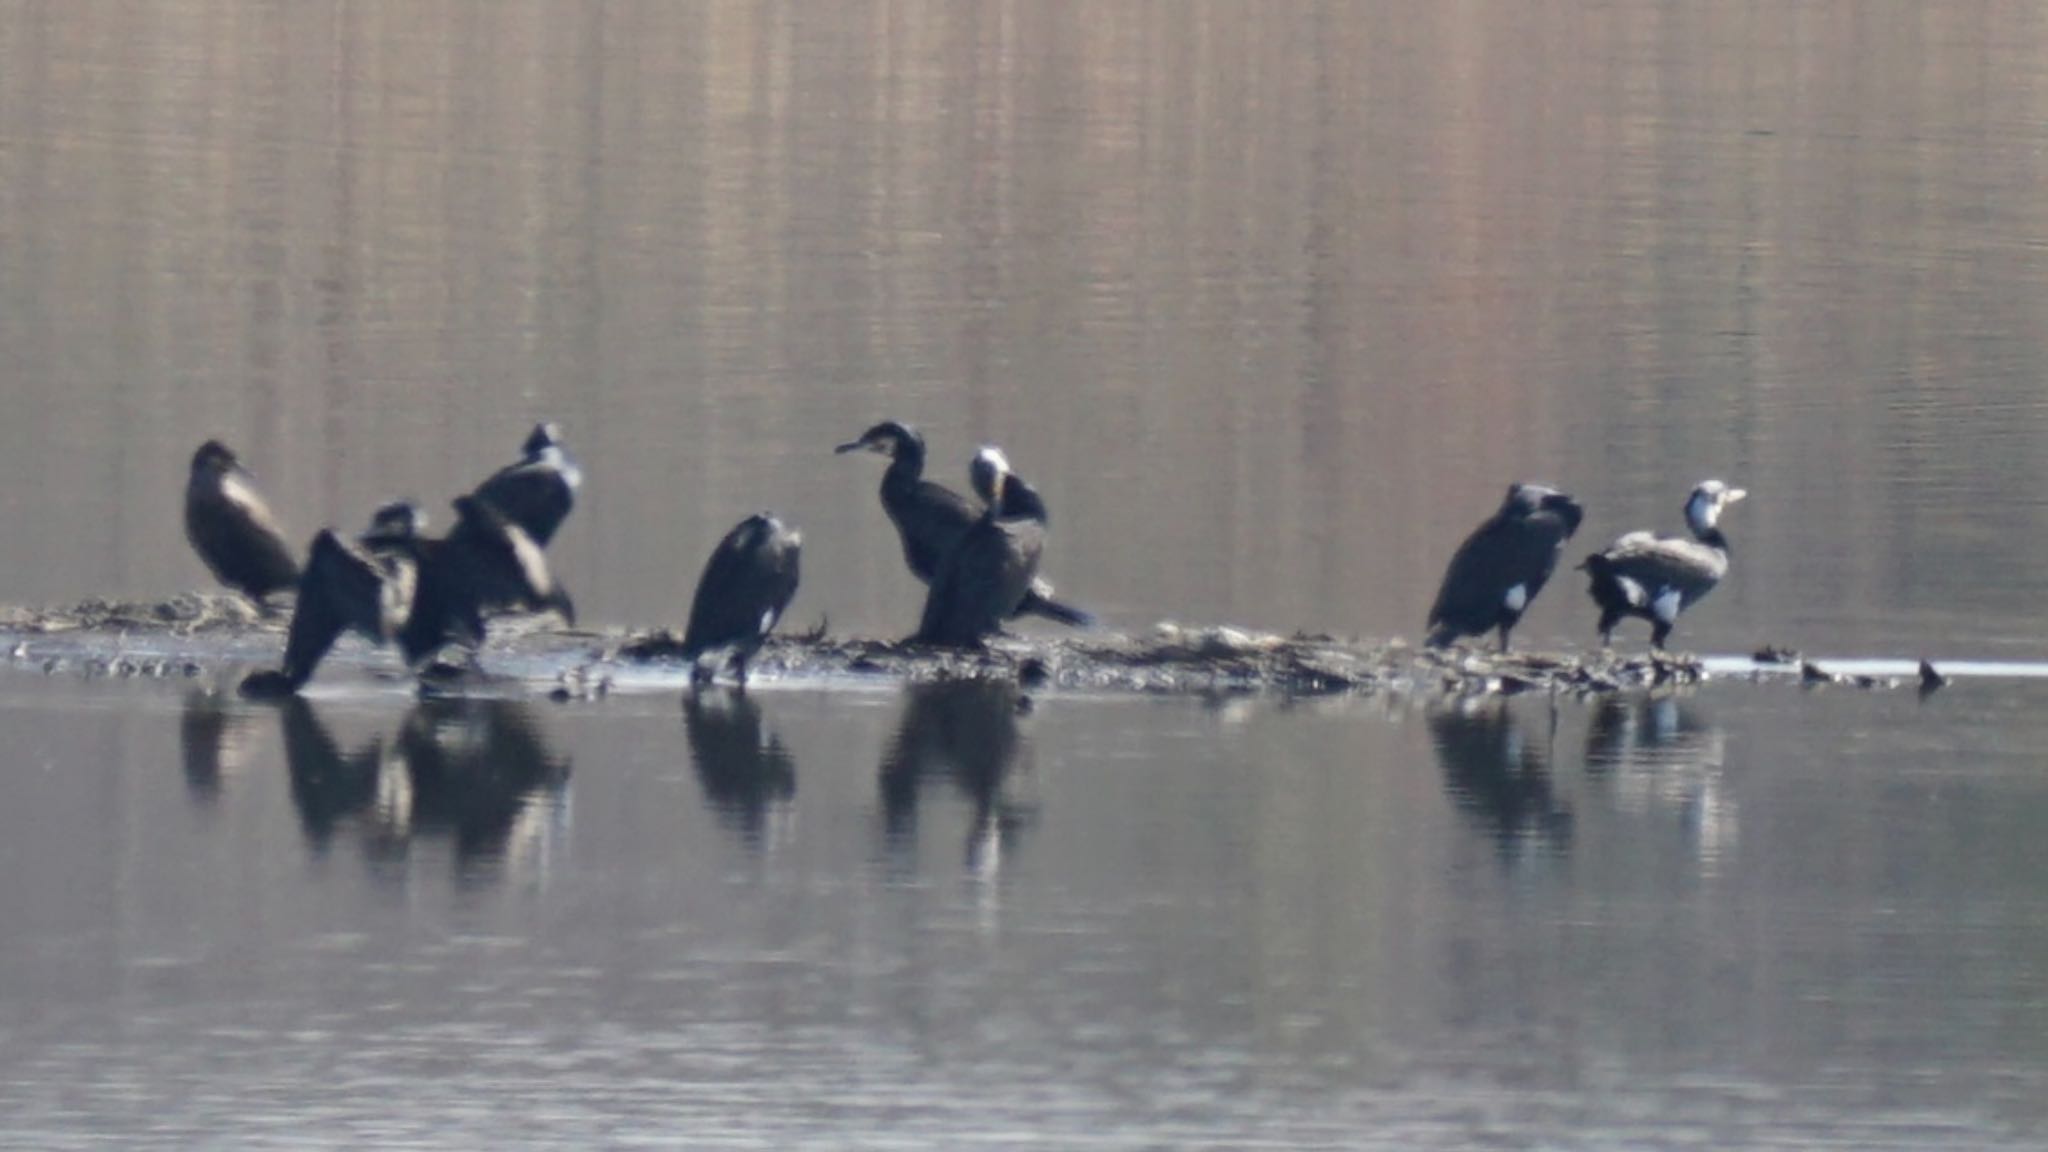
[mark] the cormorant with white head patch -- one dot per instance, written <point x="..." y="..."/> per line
<point x="1496" y="573"/>
<point x="990" y="571"/>
<point x="1658" y="577"/>
<point x="747" y="584"/>
<point x="232" y="528"/>
<point x="931" y="518"/>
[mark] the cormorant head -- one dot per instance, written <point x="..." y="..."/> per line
<point x="1537" y="499"/>
<point x="397" y="521"/>
<point x="888" y="438"/>
<point x="988" y="462"/>
<point x="763" y="528"/>
<point x="214" y="456"/>
<point x="545" y="435"/>
<point x="989" y="472"/>
<point x="1704" y="507"/>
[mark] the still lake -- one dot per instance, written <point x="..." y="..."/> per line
<point x="1270" y="300"/>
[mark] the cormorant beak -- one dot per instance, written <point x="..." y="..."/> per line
<point x="1733" y="494"/>
<point x="857" y="445"/>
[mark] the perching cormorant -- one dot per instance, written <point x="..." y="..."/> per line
<point x="537" y="492"/>
<point x="1496" y="573"/>
<point x="1658" y="577"/>
<point x="231" y="527"/>
<point x="930" y="517"/>
<point x="989" y="572"/>
<point x="366" y="587"/>
<point x="748" y="582"/>
<point x="486" y="564"/>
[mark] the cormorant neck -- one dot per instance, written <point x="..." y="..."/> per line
<point x="906" y="465"/>
<point x="1711" y="537"/>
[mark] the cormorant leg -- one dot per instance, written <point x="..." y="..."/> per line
<point x="1658" y="634"/>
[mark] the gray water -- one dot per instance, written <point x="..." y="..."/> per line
<point x="1270" y="301"/>
<point x="1740" y="918"/>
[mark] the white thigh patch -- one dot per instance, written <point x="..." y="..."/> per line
<point x="1667" y="603"/>
<point x="1517" y="598"/>
<point x="1632" y="591"/>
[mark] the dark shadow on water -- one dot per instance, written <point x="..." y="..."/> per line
<point x="478" y="773"/>
<point x="748" y="779"/>
<point x="329" y="784"/>
<point x="213" y="743"/>
<point x="964" y="732"/>
<point x="481" y="770"/>
<point x="1497" y="771"/>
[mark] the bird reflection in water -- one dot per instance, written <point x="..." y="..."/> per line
<point x="476" y="772"/>
<point x="214" y="736"/>
<point x="1497" y="771"/>
<point x="1661" y="754"/>
<point x="964" y="731"/>
<point x="749" y="780"/>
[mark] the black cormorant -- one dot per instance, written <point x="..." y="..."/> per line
<point x="365" y="587"/>
<point x="231" y="527"/>
<point x="989" y="572"/>
<point x="1496" y="573"/>
<point x="537" y="492"/>
<point x="748" y="582"/>
<point x="930" y="517"/>
<point x="1658" y="577"/>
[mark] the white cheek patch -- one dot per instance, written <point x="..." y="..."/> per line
<point x="1517" y="598"/>
<point x="1631" y="590"/>
<point x="1667" y="604"/>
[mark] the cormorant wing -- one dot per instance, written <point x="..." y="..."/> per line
<point x="1650" y="569"/>
<point x="931" y="519"/>
<point x="342" y="589"/>
<point x="1501" y="555"/>
<point x="533" y="494"/>
<point x="499" y="565"/>
<point x="235" y="533"/>
<point x="982" y="582"/>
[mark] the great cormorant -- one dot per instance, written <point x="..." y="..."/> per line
<point x="1496" y="573"/>
<point x="231" y="527"/>
<point x="930" y="517"/>
<point x="1658" y="577"/>
<point x="748" y="582"/>
<point x="537" y="492"/>
<point x="989" y="572"/>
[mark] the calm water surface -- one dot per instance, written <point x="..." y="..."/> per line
<point x="1270" y="300"/>
<point x="1740" y="918"/>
